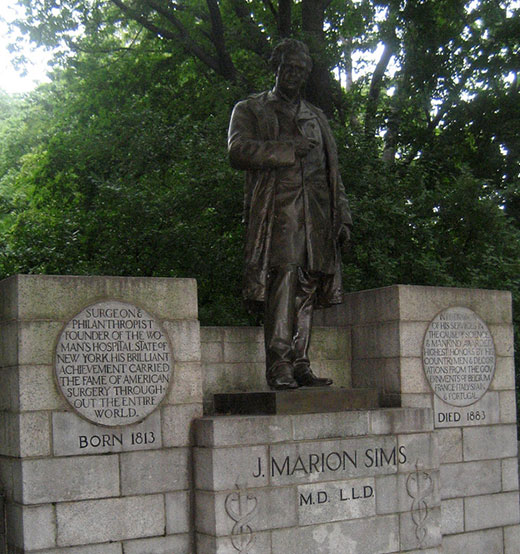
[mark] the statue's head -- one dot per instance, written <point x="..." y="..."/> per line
<point x="292" y="63"/>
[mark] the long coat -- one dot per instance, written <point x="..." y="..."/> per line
<point x="254" y="146"/>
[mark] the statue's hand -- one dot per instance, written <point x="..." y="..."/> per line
<point x="302" y="146"/>
<point x="344" y="239"/>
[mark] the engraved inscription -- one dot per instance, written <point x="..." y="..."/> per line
<point x="113" y="363"/>
<point x="458" y="356"/>
<point x="336" y="501"/>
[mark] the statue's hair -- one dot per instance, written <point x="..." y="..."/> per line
<point x="290" y="46"/>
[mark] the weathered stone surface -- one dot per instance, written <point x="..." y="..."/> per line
<point x="73" y="435"/>
<point x="412" y="538"/>
<point x="177" y="544"/>
<point x="184" y="335"/>
<point x="58" y="297"/>
<point x="511" y="539"/>
<point x="31" y="528"/>
<point x="394" y="492"/>
<point x="496" y="441"/>
<point x="485" y="411"/>
<point x="62" y="479"/>
<point x="400" y="420"/>
<point x="492" y="510"/>
<point x="422" y="303"/>
<point x="417" y="400"/>
<point x="222" y="468"/>
<point x="510" y="474"/>
<point x="508" y="407"/>
<point x="37" y="389"/>
<point x="330" y="425"/>
<point x="238" y="430"/>
<point x="471" y="478"/>
<point x="154" y="471"/>
<point x="178" y="512"/>
<point x="268" y="508"/>
<point x="452" y="516"/>
<point x="503" y="337"/>
<point x="186" y="387"/>
<point x="9" y="344"/>
<point x="413" y="379"/>
<point x="112" y="519"/>
<point x="411" y="334"/>
<point x="377" y="340"/>
<point x="336" y="501"/>
<point x="421" y="451"/>
<point x="24" y="434"/>
<point x="177" y="422"/>
<point x="36" y="340"/>
<point x="345" y="536"/>
<point x="481" y="542"/>
<point x="244" y="351"/>
<point x="450" y="445"/>
<point x="504" y="374"/>
<point x="260" y="544"/>
<point x="35" y="434"/>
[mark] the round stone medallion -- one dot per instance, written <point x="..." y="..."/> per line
<point x="458" y="356"/>
<point x="113" y="363"/>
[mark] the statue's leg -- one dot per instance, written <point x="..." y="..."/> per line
<point x="303" y="310"/>
<point x="304" y="307"/>
<point x="278" y="326"/>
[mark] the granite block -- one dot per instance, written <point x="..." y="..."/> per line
<point x="471" y="478"/>
<point x="178" y="511"/>
<point x="481" y="542"/>
<point x="111" y="519"/>
<point x="241" y="430"/>
<point x="495" y="441"/>
<point x="345" y="536"/>
<point x="63" y="479"/>
<point x="491" y="510"/>
<point x="154" y="471"/>
<point x="177" y="422"/>
<point x="452" y="516"/>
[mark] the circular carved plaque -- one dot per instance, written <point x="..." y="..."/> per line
<point x="113" y="363"/>
<point x="458" y="356"/>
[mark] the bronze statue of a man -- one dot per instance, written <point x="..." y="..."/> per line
<point x="296" y="213"/>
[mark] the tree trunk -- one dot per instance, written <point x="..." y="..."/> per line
<point x="319" y="88"/>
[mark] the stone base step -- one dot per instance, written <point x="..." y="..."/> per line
<point x="299" y="401"/>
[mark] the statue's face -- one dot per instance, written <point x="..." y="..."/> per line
<point x="292" y="74"/>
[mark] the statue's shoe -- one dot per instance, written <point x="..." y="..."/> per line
<point x="282" y="378"/>
<point x="304" y="376"/>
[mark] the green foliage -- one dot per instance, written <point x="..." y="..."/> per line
<point x="119" y="166"/>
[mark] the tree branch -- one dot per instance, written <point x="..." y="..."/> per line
<point x="227" y="69"/>
<point x="181" y="36"/>
<point x="259" y="43"/>
<point x="375" y="88"/>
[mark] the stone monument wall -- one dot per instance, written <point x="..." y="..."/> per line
<point x="100" y="383"/>
<point x="410" y="341"/>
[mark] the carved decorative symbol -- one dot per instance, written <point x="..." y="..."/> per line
<point x="419" y="487"/>
<point x="241" y="507"/>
